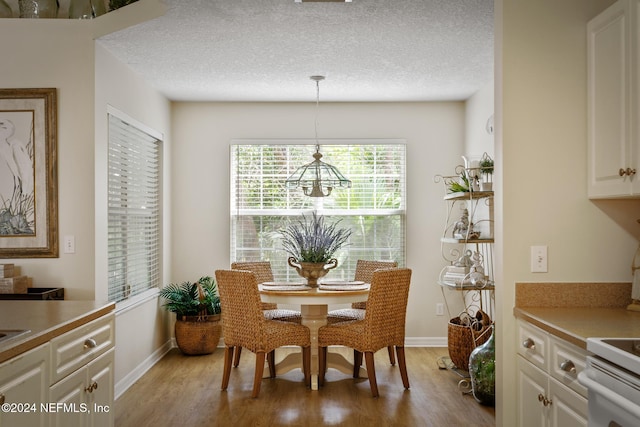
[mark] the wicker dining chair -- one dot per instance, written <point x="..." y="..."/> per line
<point x="263" y="272"/>
<point x="244" y="325"/>
<point x="383" y="326"/>
<point x="364" y="272"/>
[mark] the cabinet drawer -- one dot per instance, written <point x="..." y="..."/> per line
<point x="533" y="345"/>
<point x="78" y="347"/>
<point x="566" y="362"/>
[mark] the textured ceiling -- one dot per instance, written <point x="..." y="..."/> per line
<point x="265" y="50"/>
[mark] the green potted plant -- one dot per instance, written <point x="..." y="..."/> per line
<point x="312" y="242"/>
<point x="486" y="169"/>
<point x="197" y="308"/>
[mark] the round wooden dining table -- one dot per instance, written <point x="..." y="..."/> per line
<point x="314" y="306"/>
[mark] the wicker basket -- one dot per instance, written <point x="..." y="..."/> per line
<point x="463" y="339"/>
<point x="198" y="334"/>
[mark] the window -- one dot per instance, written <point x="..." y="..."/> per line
<point x="374" y="208"/>
<point x="133" y="210"/>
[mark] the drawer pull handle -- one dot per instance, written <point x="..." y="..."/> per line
<point x="528" y="343"/>
<point x="628" y="172"/>
<point x="568" y="366"/>
<point x="91" y="387"/>
<point x="90" y="343"/>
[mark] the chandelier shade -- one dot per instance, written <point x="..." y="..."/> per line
<point x="317" y="179"/>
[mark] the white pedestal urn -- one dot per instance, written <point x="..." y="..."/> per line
<point x="312" y="271"/>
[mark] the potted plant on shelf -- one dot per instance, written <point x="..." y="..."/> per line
<point x="486" y="169"/>
<point x="312" y="242"/>
<point x="197" y="308"/>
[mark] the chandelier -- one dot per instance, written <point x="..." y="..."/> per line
<point x="317" y="179"/>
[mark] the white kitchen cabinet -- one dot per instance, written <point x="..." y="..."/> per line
<point x="88" y="393"/>
<point x="68" y="381"/>
<point x="82" y="374"/>
<point x="548" y="392"/>
<point x="613" y="102"/>
<point x="24" y="386"/>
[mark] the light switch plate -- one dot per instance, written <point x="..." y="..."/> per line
<point x="539" y="259"/>
<point x="69" y="245"/>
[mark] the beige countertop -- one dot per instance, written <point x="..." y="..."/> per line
<point x="576" y="324"/>
<point x="577" y="311"/>
<point x="44" y="320"/>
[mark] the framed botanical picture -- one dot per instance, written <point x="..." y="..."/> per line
<point x="28" y="173"/>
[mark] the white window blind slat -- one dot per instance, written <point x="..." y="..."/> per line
<point x="374" y="208"/>
<point x="133" y="210"/>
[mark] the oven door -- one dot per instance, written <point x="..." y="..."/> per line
<point x="614" y="394"/>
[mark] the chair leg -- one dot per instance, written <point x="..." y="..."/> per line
<point x="371" y="371"/>
<point x="271" y="360"/>
<point x="322" y="364"/>
<point x="236" y="359"/>
<point x="257" y="378"/>
<point x="403" y="366"/>
<point x="306" y="365"/>
<point x="228" y="356"/>
<point x="392" y="357"/>
<point x="357" y="362"/>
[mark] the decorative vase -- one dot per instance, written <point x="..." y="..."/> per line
<point x="482" y="369"/>
<point x="38" y="8"/>
<point x="312" y="271"/>
<point x="5" y="10"/>
<point x="198" y="334"/>
<point x="86" y="9"/>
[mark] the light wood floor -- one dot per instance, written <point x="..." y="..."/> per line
<point x="185" y="391"/>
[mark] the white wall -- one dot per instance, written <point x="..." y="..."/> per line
<point x="541" y="166"/>
<point x="60" y="54"/>
<point x="47" y="53"/>
<point x="142" y="329"/>
<point x="479" y="108"/>
<point x="202" y="132"/>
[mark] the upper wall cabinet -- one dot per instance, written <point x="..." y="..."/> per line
<point x="614" y="102"/>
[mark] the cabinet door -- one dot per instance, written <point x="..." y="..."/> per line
<point x="24" y="383"/>
<point x="532" y="383"/>
<point x="101" y="374"/>
<point x="86" y="396"/>
<point x="567" y="409"/>
<point x="611" y="128"/>
<point x="70" y="395"/>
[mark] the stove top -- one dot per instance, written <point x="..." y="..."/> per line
<point x="624" y="352"/>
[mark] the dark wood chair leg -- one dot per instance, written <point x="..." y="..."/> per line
<point x="371" y="371"/>
<point x="257" y="378"/>
<point x="392" y="357"/>
<point x="236" y="358"/>
<point x="357" y="362"/>
<point x="228" y="356"/>
<point x="271" y="360"/>
<point x="306" y="365"/>
<point x="403" y="366"/>
<point x="322" y="364"/>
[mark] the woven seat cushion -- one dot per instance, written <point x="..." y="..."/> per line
<point x="283" y="315"/>
<point x="345" y="315"/>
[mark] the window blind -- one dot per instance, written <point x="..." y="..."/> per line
<point x="133" y="210"/>
<point x="374" y="208"/>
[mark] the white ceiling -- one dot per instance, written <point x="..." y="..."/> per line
<point x="265" y="50"/>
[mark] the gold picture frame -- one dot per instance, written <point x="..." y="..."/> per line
<point x="28" y="173"/>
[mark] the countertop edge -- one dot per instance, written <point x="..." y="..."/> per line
<point x="522" y="313"/>
<point x="34" y="340"/>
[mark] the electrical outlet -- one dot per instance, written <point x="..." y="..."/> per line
<point x="539" y="259"/>
<point x="439" y="309"/>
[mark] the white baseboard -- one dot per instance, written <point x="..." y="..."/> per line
<point x="133" y="376"/>
<point x="425" y="341"/>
